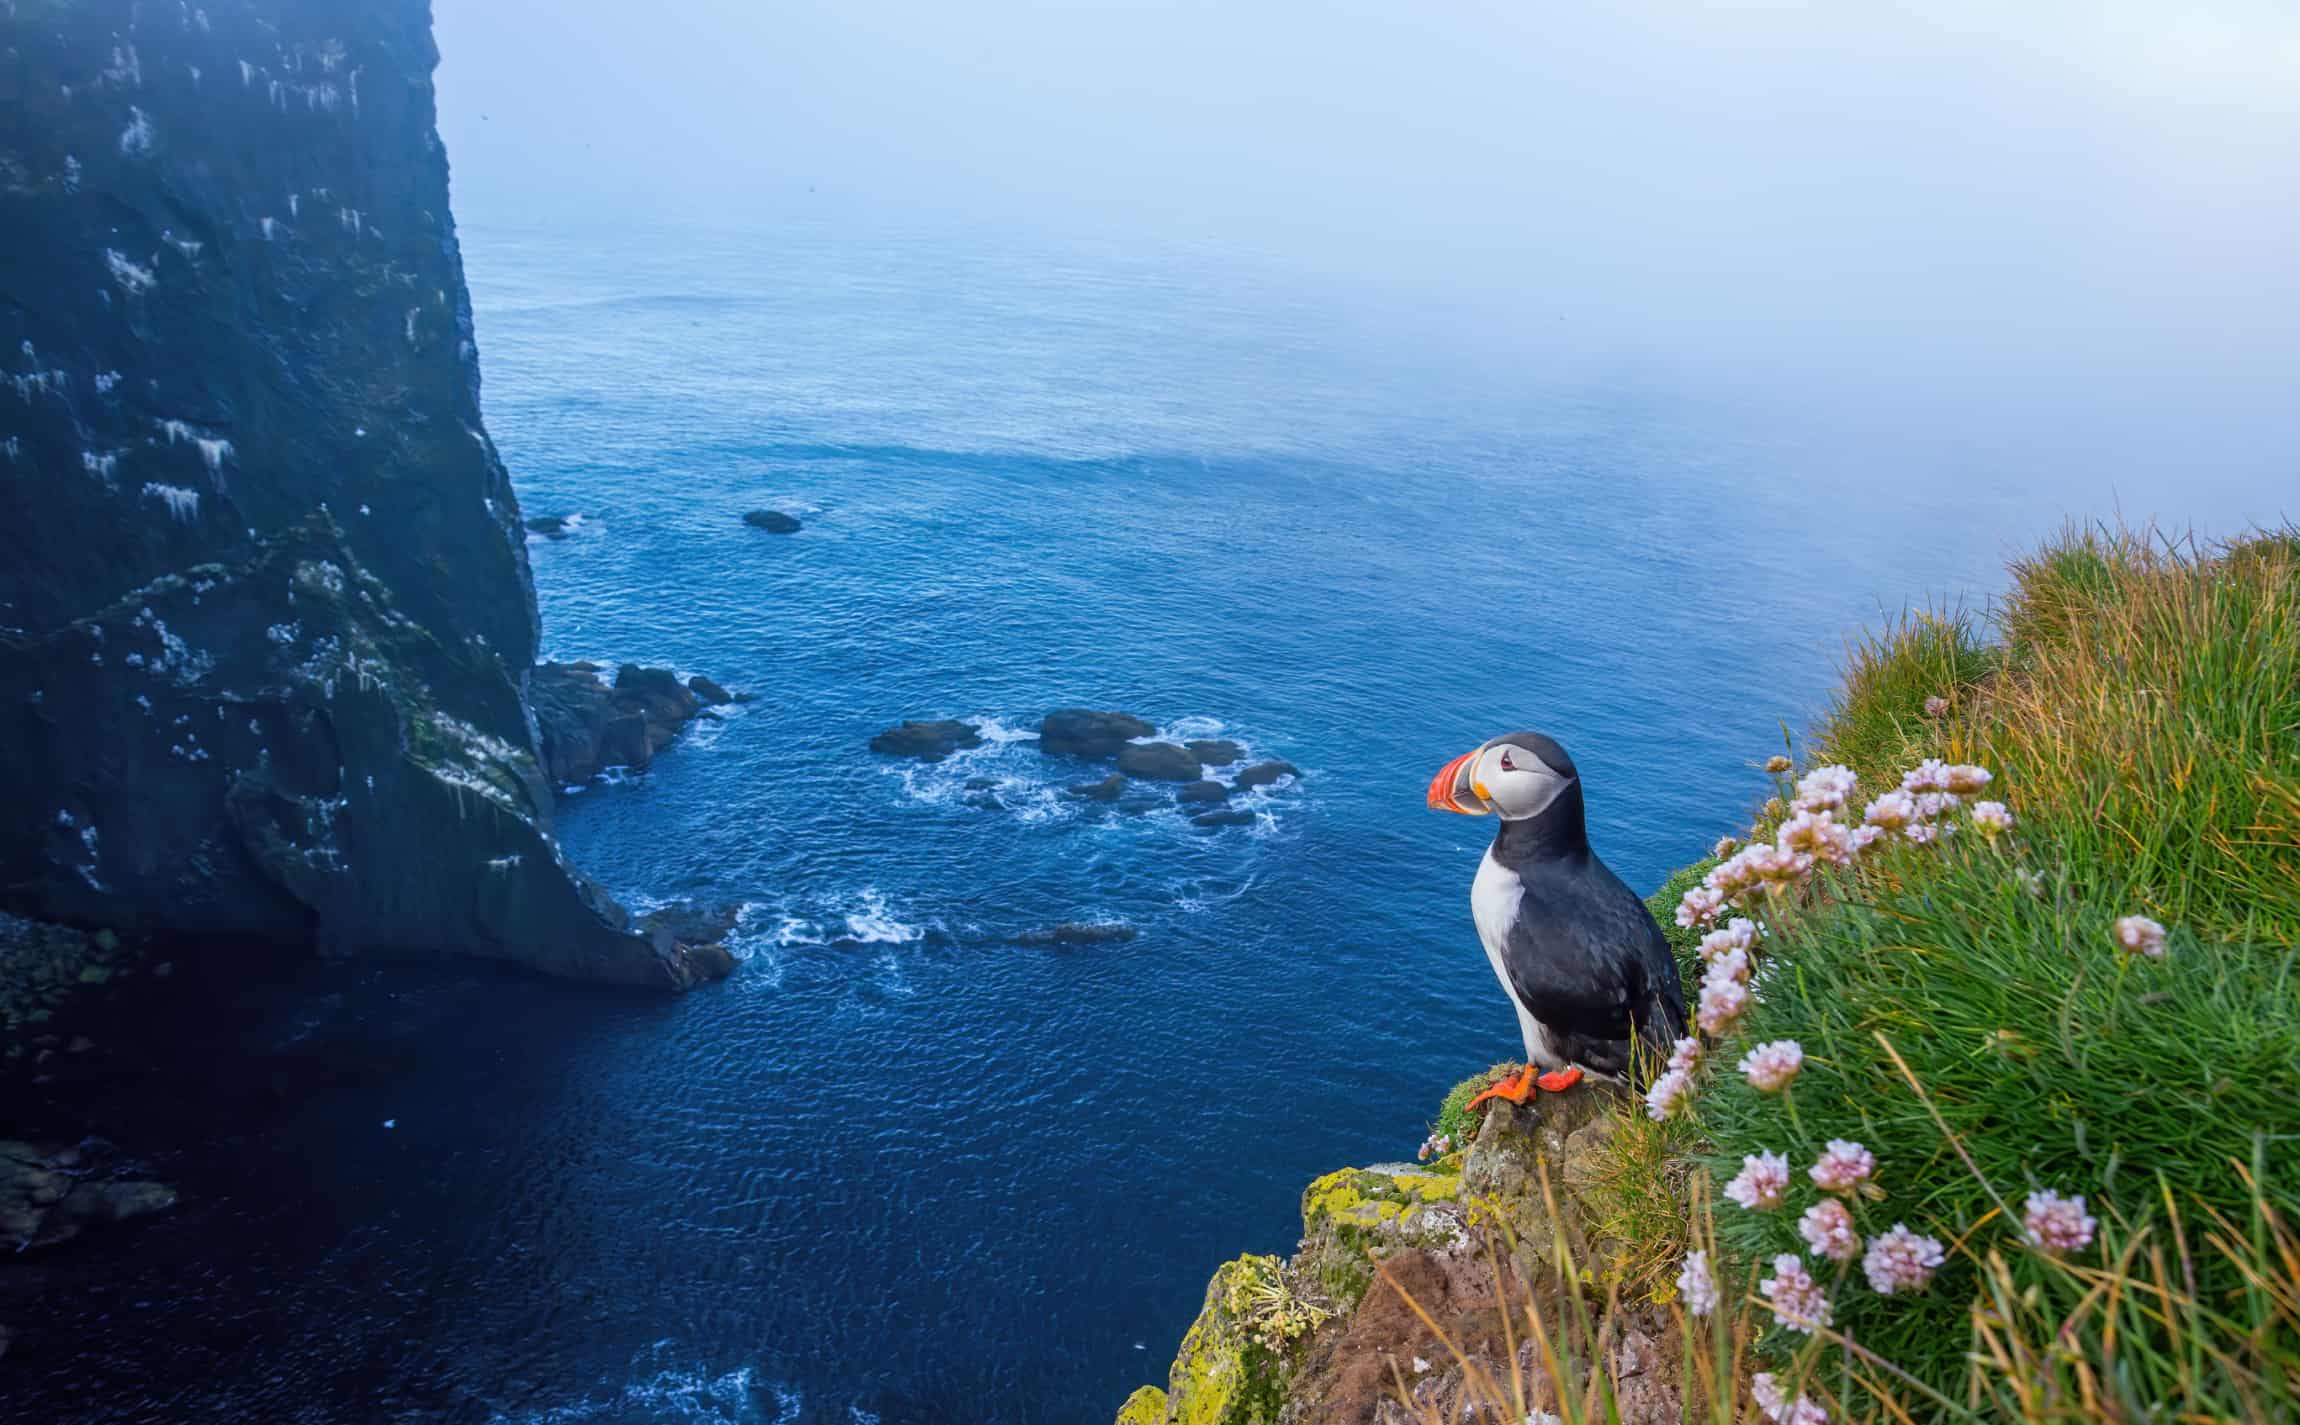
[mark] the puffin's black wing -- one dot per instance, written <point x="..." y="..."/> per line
<point x="1585" y="956"/>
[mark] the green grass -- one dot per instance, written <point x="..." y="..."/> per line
<point x="2141" y="712"/>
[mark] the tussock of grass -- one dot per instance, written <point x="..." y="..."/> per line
<point x="1966" y="1013"/>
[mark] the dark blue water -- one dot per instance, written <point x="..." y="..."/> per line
<point x="902" y="1168"/>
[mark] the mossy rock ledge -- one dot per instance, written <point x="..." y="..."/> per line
<point x="1324" y="1336"/>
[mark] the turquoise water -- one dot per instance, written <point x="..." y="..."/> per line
<point x="902" y="1167"/>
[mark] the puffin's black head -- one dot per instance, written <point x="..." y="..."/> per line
<point x="1518" y="776"/>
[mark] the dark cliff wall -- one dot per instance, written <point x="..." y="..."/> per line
<point x="265" y="614"/>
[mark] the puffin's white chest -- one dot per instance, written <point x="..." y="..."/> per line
<point x="1494" y="900"/>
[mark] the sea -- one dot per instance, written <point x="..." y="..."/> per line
<point x="912" y="1163"/>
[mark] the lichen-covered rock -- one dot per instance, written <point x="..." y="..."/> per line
<point x="1354" y="1218"/>
<point x="266" y="622"/>
<point x="1146" y="1406"/>
<point x="1222" y="1375"/>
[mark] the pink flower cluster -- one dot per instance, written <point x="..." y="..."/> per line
<point x="1696" y="1285"/>
<point x="2141" y="936"/>
<point x="2057" y="1224"/>
<point x="1782" y="1408"/>
<point x="1762" y="1182"/>
<point x="1827" y="1228"/>
<point x="1770" y="1067"/>
<point x="1900" y="1260"/>
<point x="1669" y="1091"/>
<point x="1798" y="1301"/>
<point x="1812" y="834"/>
<point x="1843" y="1166"/>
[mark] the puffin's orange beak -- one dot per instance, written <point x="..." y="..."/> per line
<point x="1448" y="791"/>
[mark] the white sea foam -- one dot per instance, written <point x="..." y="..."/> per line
<point x="679" y="1396"/>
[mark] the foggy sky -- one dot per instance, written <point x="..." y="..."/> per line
<point x="2097" y="185"/>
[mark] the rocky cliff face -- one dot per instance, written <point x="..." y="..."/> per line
<point x="1346" y="1331"/>
<point x="266" y="622"/>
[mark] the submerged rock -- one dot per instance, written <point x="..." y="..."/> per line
<point x="772" y="521"/>
<point x="711" y="692"/>
<point x="1215" y="751"/>
<point x="1083" y="732"/>
<point x="1263" y="774"/>
<point x="589" y="725"/>
<point x="1159" y="762"/>
<point x="926" y="741"/>
<point x="1216" y="820"/>
<point x="550" y="526"/>
<point x="1202" y="791"/>
<point x="1106" y="790"/>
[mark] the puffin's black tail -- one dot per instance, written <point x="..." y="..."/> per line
<point x="1660" y="1019"/>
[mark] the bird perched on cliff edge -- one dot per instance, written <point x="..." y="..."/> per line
<point x="1578" y="953"/>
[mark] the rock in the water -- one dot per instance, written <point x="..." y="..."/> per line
<point x="1263" y="774"/>
<point x="549" y="526"/>
<point x="1207" y="790"/>
<point x="48" y="1195"/>
<point x="981" y="784"/>
<point x="1159" y="762"/>
<point x="1078" y="932"/>
<point x="772" y="521"/>
<point x="927" y="741"/>
<point x="1082" y="732"/>
<point x="588" y="725"/>
<point x="1215" y="751"/>
<point x="1106" y="790"/>
<point x="711" y="692"/>
<point x="1216" y="820"/>
<point x="267" y="641"/>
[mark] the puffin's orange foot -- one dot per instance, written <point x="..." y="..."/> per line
<point x="1517" y="1089"/>
<point x="1559" y="1081"/>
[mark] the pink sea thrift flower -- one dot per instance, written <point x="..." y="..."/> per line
<point x="1770" y="1067"/>
<point x="1828" y="1228"/>
<point x="1684" y="1054"/>
<point x="1696" y="1285"/>
<point x="1965" y="779"/>
<point x="1900" y="1260"/>
<point x="1843" y="1166"/>
<point x="1930" y="775"/>
<point x="1936" y="706"/>
<point x="1798" y="1301"/>
<point x="1932" y="806"/>
<point x="1865" y="837"/>
<point x="1892" y="811"/>
<point x="1777" y="763"/>
<point x="1724" y="846"/>
<point x="2141" y="936"/>
<point x="1667" y="1094"/>
<point x="1738" y="934"/>
<point x="1733" y="965"/>
<point x="1763" y="1178"/>
<point x="1814" y="834"/>
<point x="1721" y="1003"/>
<point x="1783" y="1409"/>
<point x="1992" y="818"/>
<point x="2056" y="1223"/>
<point x="1699" y="907"/>
<point x="1730" y="877"/>
<point x="1825" y="788"/>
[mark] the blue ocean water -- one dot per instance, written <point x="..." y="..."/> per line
<point x="903" y="1168"/>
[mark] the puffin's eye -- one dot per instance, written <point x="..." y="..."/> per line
<point x="1506" y="764"/>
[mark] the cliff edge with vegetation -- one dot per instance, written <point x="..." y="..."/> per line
<point x="1994" y="1108"/>
<point x="266" y="622"/>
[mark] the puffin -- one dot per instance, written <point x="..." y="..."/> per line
<point x="1593" y="980"/>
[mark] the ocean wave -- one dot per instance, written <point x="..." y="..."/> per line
<point x="677" y="1397"/>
